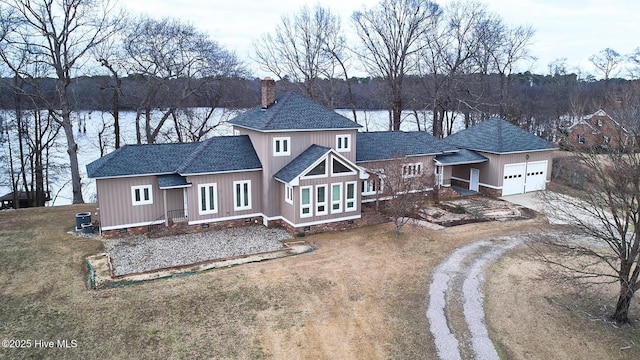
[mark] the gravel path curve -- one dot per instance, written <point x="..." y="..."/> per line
<point x="462" y="273"/>
<point x="139" y="253"/>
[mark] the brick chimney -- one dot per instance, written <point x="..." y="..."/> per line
<point x="268" y="92"/>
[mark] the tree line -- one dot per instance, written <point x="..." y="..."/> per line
<point x="58" y="57"/>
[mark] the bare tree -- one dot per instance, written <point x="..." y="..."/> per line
<point x="607" y="62"/>
<point x="60" y="34"/>
<point x="305" y="48"/>
<point x="607" y="218"/>
<point x="390" y="36"/>
<point x="464" y="37"/>
<point x="403" y="184"/>
<point x="174" y="62"/>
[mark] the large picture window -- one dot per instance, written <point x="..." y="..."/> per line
<point x="141" y="195"/>
<point x="242" y="195"/>
<point x="208" y="198"/>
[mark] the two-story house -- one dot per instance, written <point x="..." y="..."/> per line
<point x="597" y="130"/>
<point x="294" y="163"/>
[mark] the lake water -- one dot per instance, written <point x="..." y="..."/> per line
<point x="89" y="149"/>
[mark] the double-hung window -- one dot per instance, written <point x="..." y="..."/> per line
<point x="208" y="198"/>
<point x="141" y="195"/>
<point x="242" y="195"/>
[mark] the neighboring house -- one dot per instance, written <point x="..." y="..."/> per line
<point x="291" y="163"/>
<point x="599" y="130"/>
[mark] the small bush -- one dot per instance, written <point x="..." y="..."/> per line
<point x="459" y="209"/>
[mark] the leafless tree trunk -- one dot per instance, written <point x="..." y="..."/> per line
<point x="607" y="218"/>
<point x="390" y="36"/>
<point x="175" y="62"/>
<point x="62" y="33"/>
<point x="403" y="183"/>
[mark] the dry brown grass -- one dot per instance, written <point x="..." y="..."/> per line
<point x="361" y="294"/>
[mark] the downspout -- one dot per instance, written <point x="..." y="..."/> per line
<point x="166" y="217"/>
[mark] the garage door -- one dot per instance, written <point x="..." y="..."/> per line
<point x="513" y="181"/>
<point x="536" y="176"/>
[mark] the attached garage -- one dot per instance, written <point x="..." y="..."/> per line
<point x="518" y="161"/>
<point x="524" y="177"/>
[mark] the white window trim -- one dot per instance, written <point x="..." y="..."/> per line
<point x="288" y="193"/>
<point x="282" y="140"/>
<point x="336" y="202"/>
<point x="352" y="200"/>
<point x="352" y="172"/>
<point x="326" y="170"/>
<point x="418" y="167"/>
<point x="324" y="203"/>
<point x="340" y="140"/>
<point x="215" y="199"/>
<point x="368" y="190"/>
<point x="309" y="205"/>
<point x="142" y="201"/>
<point x="241" y="194"/>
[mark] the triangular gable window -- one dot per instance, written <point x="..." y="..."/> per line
<point x="340" y="168"/>
<point x="319" y="170"/>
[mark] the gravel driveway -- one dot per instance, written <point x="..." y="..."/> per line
<point x="456" y="289"/>
<point x="139" y="253"/>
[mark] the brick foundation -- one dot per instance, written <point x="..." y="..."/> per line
<point x="490" y="192"/>
<point x="178" y="228"/>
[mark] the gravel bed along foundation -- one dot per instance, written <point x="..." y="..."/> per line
<point x="139" y="253"/>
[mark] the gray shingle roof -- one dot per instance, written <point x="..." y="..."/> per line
<point x="218" y="154"/>
<point x="383" y="144"/>
<point x="498" y="136"/>
<point x="301" y="162"/>
<point x="292" y="111"/>
<point x="172" y="181"/>
<point x="461" y="157"/>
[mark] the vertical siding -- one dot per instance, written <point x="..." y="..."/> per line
<point x="492" y="171"/>
<point x="300" y="141"/>
<point x="175" y="199"/>
<point x="225" y="192"/>
<point x="495" y="170"/>
<point x="116" y="206"/>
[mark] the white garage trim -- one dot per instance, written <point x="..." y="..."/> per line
<point x="524" y="177"/>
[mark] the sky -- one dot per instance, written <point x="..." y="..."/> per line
<point x="571" y="29"/>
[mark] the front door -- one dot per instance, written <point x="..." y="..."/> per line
<point x="474" y="179"/>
